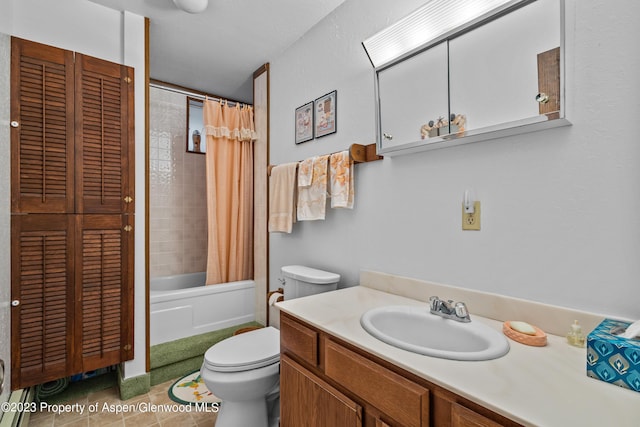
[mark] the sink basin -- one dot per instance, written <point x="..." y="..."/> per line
<point x="415" y="329"/>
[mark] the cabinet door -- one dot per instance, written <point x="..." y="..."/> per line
<point x="104" y="289"/>
<point x="308" y="401"/>
<point x="493" y="69"/>
<point x="104" y="136"/>
<point x="42" y="140"/>
<point x="411" y="94"/>
<point x="42" y="293"/>
<point x="463" y="417"/>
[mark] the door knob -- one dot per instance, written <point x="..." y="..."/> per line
<point x="15" y="303"/>
<point x="542" y="98"/>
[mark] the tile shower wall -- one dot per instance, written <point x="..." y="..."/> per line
<point x="177" y="199"/>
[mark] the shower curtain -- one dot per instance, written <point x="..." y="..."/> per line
<point x="229" y="170"/>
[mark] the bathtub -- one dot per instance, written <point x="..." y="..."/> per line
<point x="182" y="306"/>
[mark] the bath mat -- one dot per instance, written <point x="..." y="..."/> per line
<point x="190" y="390"/>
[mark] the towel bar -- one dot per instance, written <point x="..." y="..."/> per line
<point x="359" y="154"/>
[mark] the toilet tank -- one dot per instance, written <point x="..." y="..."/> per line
<point x="300" y="281"/>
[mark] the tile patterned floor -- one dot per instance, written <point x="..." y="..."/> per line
<point x="158" y="395"/>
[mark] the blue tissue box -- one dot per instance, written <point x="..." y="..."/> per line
<point x="613" y="359"/>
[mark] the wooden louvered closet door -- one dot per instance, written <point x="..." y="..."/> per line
<point x="42" y="283"/>
<point x="72" y="160"/>
<point x="104" y="117"/>
<point x="42" y="129"/>
<point x="102" y="293"/>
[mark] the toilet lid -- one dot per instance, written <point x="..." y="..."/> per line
<point x="250" y="350"/>
<point x="309" y="275"/>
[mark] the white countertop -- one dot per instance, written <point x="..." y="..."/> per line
<point x="538" y="386"/>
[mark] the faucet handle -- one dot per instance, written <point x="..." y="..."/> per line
<point x="434" y="303"/>
<point x="461" y="310"/>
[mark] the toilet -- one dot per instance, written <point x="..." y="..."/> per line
<point x="244" y="370"/>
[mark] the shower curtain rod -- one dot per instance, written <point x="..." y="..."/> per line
<point x="191" y="94"/>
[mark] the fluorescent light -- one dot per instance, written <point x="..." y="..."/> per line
<point x="430" y="22"/>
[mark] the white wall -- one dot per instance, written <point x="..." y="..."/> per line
<point x="5" y="212"/>
<point x="95" y="30"/>
<point x="559" y="207"/>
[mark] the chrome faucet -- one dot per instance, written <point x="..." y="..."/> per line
<point x="449" y="310"/>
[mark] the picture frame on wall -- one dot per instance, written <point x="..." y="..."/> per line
<point x="304" y="123"/>
<point x="326" y="114"/>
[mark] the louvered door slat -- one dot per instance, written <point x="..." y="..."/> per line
<point x="43" y="283"/>
<point x="103" y="268"/>
<point x="104" y="156"/>
<point x="42" y="144"/>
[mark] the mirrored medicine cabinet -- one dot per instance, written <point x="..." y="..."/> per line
<point x="497" y="75"/>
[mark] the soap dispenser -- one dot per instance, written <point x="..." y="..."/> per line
<point x="575" y="336"/>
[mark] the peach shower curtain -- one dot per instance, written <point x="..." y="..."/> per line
<point x="229" y="164"/>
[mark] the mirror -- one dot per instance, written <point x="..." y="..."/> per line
<point x="404" y="108"/>
<point x="500" y="75"/>
<point x="494" y="69"/>
<point x="195" y="126"/>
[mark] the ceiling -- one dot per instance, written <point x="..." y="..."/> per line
<point x="218" y="50"/>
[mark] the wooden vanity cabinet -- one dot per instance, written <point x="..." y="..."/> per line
<point x="327" y="382"/>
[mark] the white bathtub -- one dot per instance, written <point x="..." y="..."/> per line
<point x="182" y="306"/>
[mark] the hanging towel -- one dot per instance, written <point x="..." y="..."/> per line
<point x="341" y="174"/>
<point x="305" y="172"/>
<point x="282" y="186"/>
<point x="312" y="199"/>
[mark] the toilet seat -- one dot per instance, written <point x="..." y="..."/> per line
<point x="243" y="352"/>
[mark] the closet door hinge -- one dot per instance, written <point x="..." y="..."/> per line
<point x="127" y="79"/>
<point x="128" y="228"/>
<point x="128" y="199"/>
<point x="127" y="347"/>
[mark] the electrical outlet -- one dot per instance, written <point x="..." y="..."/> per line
<point x="471" y="221"/>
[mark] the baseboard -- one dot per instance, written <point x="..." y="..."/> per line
<point x="135" y="386"/>
<point x="18" y="398"/>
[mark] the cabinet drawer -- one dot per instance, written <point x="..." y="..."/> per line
<point x="398" y="397"/>
<point x="299" y="340"/>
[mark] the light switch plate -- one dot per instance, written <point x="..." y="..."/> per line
<point x="471" y="221"/>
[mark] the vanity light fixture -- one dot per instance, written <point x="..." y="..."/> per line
<point x="192" y="6"/>
<point x="429" y="24"/>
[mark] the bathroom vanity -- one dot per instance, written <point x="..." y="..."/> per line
<point x="334" y="373"/>
<point x="368" y="391"/>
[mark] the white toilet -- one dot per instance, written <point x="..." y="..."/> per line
<point x="244" y="370"/>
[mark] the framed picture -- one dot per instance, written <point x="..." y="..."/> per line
<point x="325" y="114"/>
<point x="304" y="123"/>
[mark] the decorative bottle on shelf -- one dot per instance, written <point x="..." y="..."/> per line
<point x="196" y="141"/>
